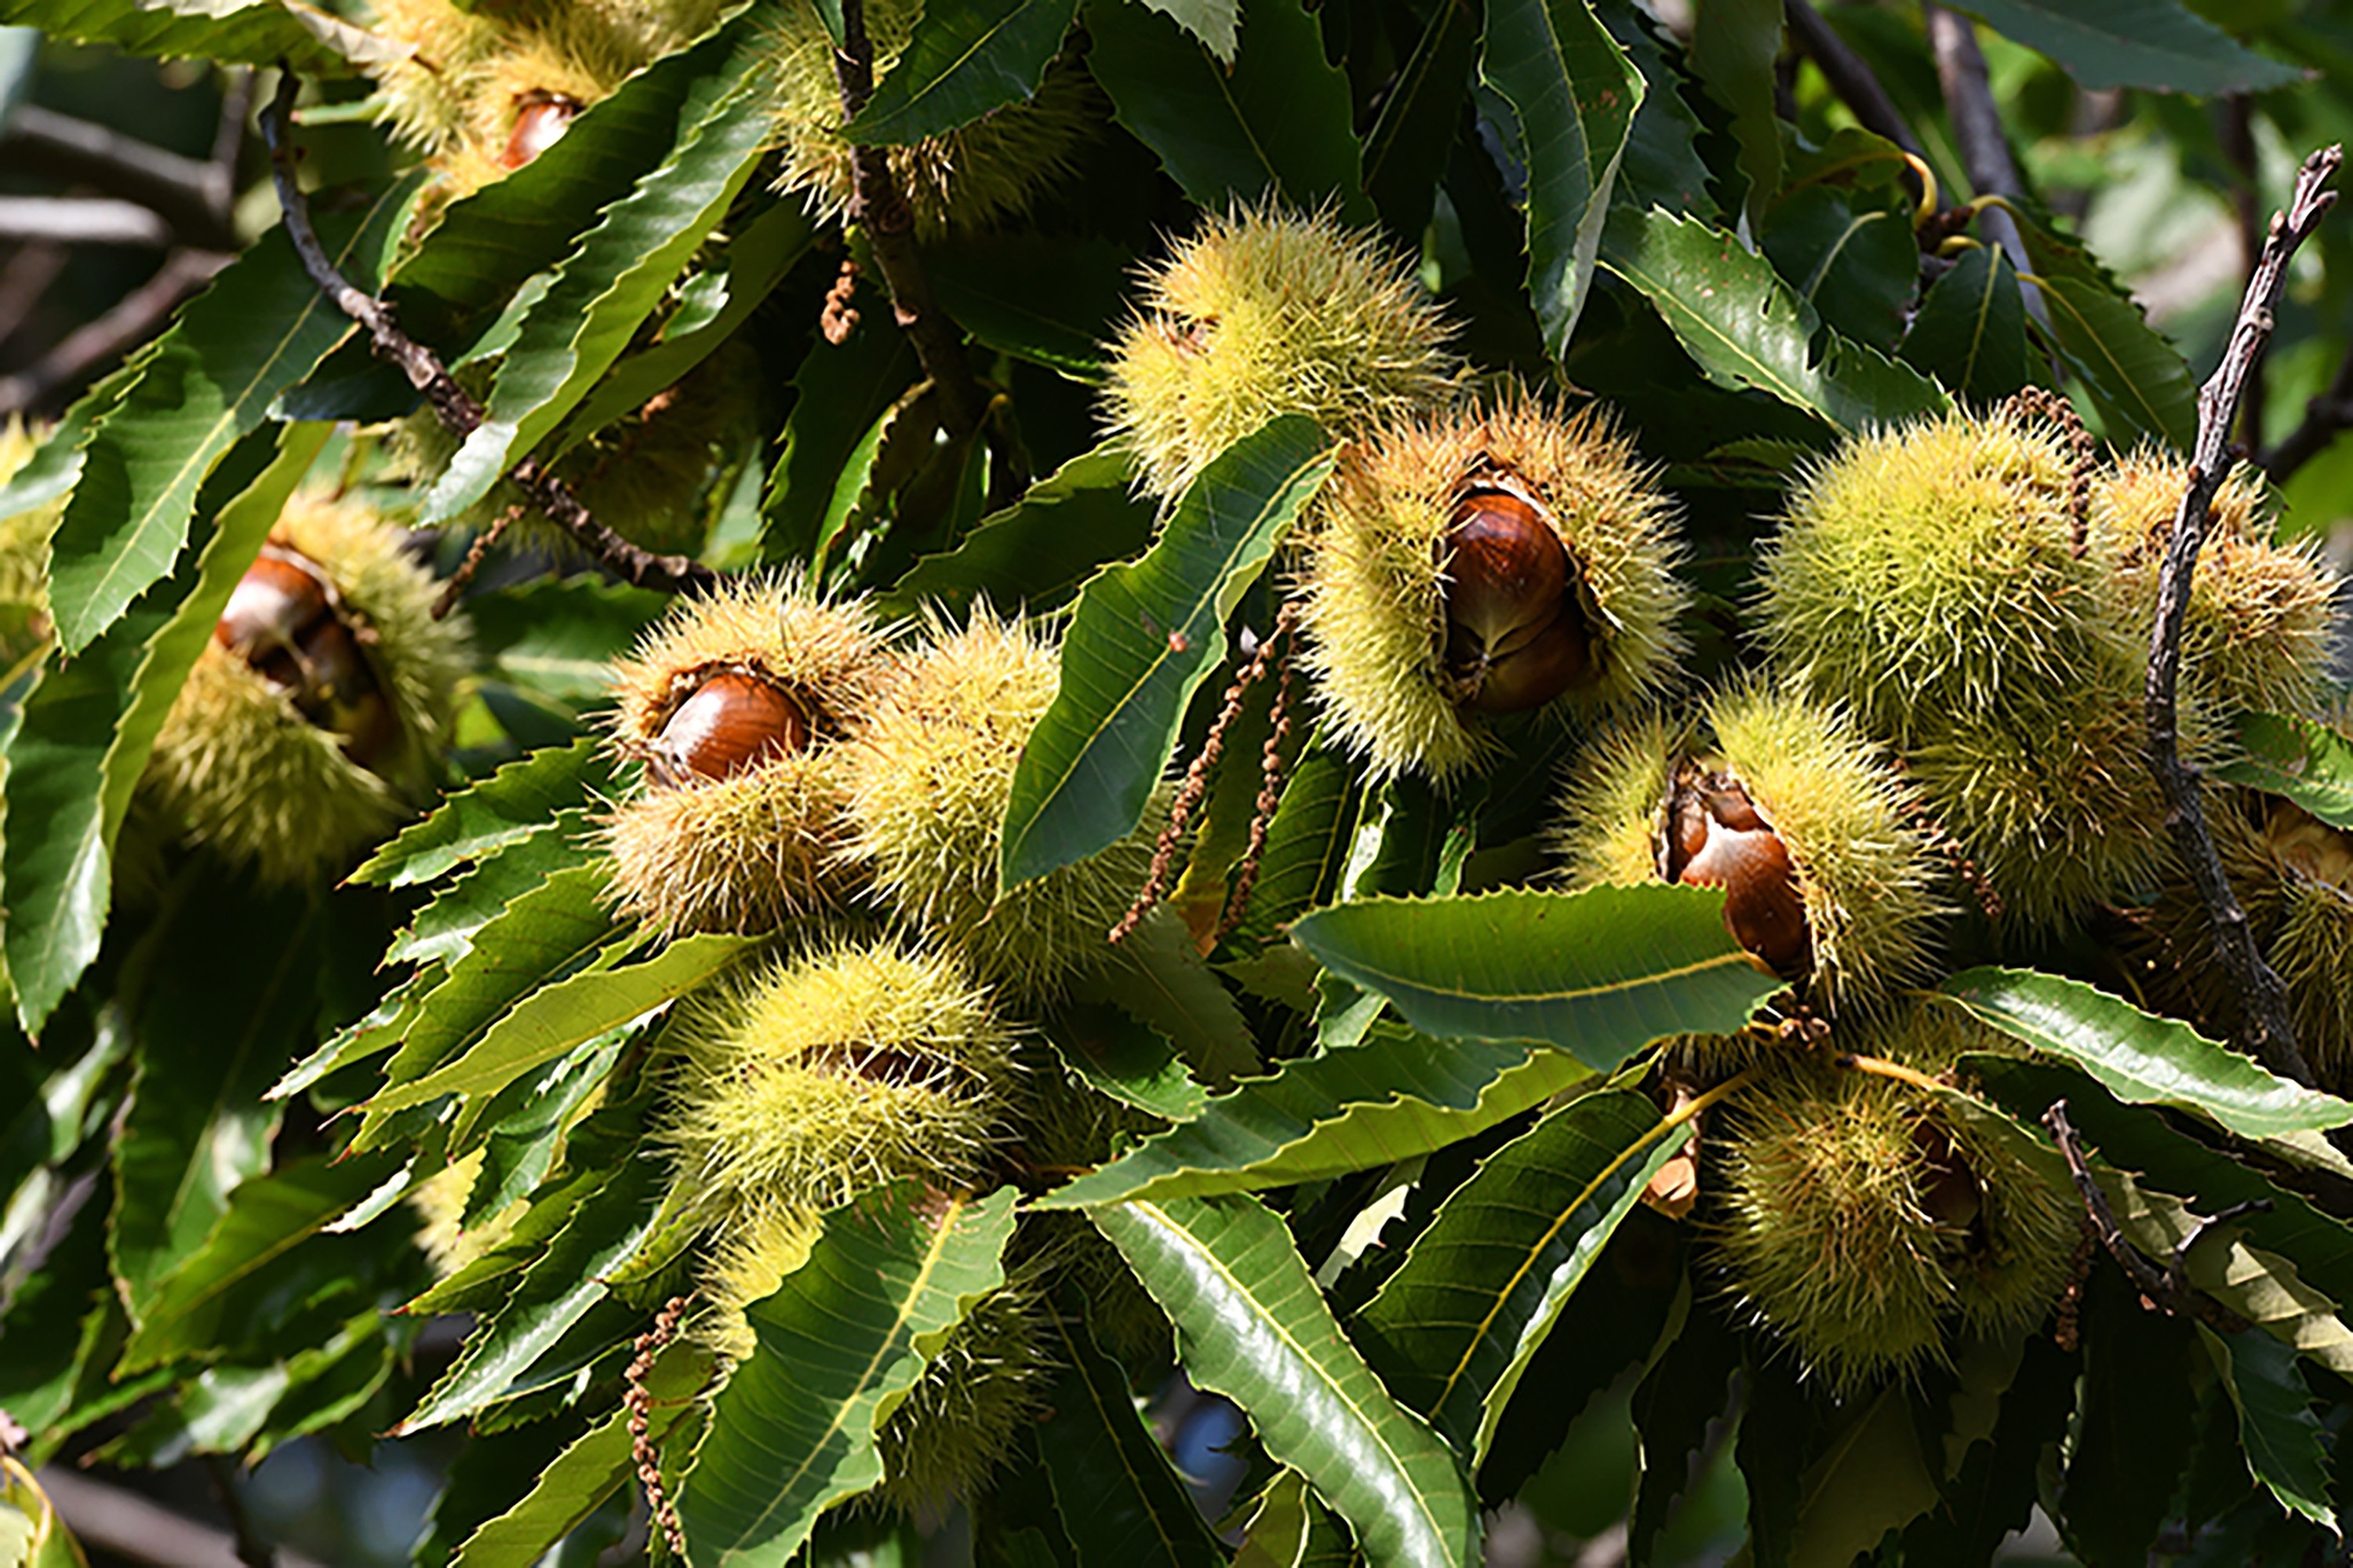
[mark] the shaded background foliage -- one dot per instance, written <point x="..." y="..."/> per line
<point x="1677" y="210"/>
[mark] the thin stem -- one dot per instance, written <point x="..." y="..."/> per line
<point x="2262" y="999"/>
<point x="457" y="408"/>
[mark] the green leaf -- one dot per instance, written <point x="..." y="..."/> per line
<point x="1038" y="551"/>
<point x="840" y="390"/>
<point x="1214" y="22"/>
<point x="1277" y="119"/>
<point x="1119" y="1500"/>
<point x="2281" y="1437"/>
<point x="960" y="63"/>
<point x="589" y="1470"/>
<point x="1739" y="320"/>
<point x="844" y="1336"/>
<point x="1454" y="1328"/>
<point x="554" y="1292"/>
<point x="559" y="637"/>
<point x="1407" y="152"/>
<point x="1352" y="1109"/>
<point x="1994" y="1490"/>
<point x="214" y="1025"/>
<point x="266" y="1218"/>
<point x="1251" y="1325"/>
<point x="1144" y="637"/>
<point x="572" y="1012"/>
<point x="2140" y="1057"/>
<point x="1603" y="972"/>
<point x="754" y="261"/>
<point x="308" y="39"/>
<point x="1852" y="256"/>
<point x="619" y="273"/>
<point x="1129" y="1062"/>
<point x="2299" y="759"/>
<point x="87" y="730"/>
<point x="2137" y="379"/>
<point x="2134" y="43"/>
<point x="1733" y="48"/>
<point x="1158" y="980"/>
<point x="1051" y="300"/>
<point x="1288" y="1528"/>
<point x="513" y="804"/>
<point x="1576" y="94"/>
<point x="1970" y="331"/>
<point x="1679" y="1397"/>
<point x="557" y="929"/>
<point x="1661" y="167"/>
<point x="444" y="930"/>
<point x="2134" y="1436"/>
<point x="1871" y="1479"/>
<point x="200" y="388"/>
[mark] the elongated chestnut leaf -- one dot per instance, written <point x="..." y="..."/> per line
<point x="847" y="1334"/>
<point x="960" y="63"/>
<point x="1143" y="638"/>
<point x="2140" y="1057"/>
<point x="1454" y="1328"/>
<point x="2299" y="759"/>
<point x="1251" y="1325"/>
<point x="1119" y="1499"/>
<point x="1602" y="972"/>
<point x="514" y="803"/>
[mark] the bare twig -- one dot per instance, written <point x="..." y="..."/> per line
<point x="82" y="221"/>
<point x="2236" y="133"/>
<point x="192" y="198"/>
<point x="133" y="321"/>
<point x="131" y="1529"/>
<point x="2263" y="1000"/>
<point x="1977" y="127"/>
<point x="455" y="405"/>
<point x="1850" y="77"/>
<point x="2322" y="416"/>
<point x="2165" y="1288"/>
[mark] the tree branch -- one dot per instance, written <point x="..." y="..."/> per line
<point x="81" y="221"/>
<point x="876" y="205"/>
<point x="1850" y="77"/>
<point x="2165" y="1287"/>
<point x="133" y="1528"/>
<point x="1977" y="127"/>
<point x="452" y="403"/>
<point x="2262" y="999"/>
<point x="192" y="198"/>
<point x="133" y="321"/>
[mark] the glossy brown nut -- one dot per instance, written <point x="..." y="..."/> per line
<point x="1717" y="839"/>
<point x="1536" y="671"/>
<point x="1506" y="570"/>
<point x="733" y="722"/>
<point x="278" y="600"/>
<point x="541" y="120"/>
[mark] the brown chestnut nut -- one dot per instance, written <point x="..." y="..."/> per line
<point x="732" y="722"/>
<point x="1514" y="637"/>
<point x="1716" y="838"/>
<point x="281" y="619"/>
<point x="541" y="120"/>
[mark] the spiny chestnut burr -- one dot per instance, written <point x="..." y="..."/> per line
<point x="281" y="619"/>
<point x="731" y="722"/>
<point x="541" y="120"/>
<point x="1716" y="839"/>
<point x="1514" y="638"/>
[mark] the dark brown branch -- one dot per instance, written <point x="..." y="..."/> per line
<point x="878" y="206"/>
<point x="457" y="408"/>
<point x="1850" y="77"/>
<point x="2261" y="998"/>
<point x="1977" y="129"/>
<point x="192" y="198"/>
<point x="2164" y="1288"/>
<point x="2236" y="133"/>
<point x="133" y="320"/>
<point x="2322" y="416"/>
